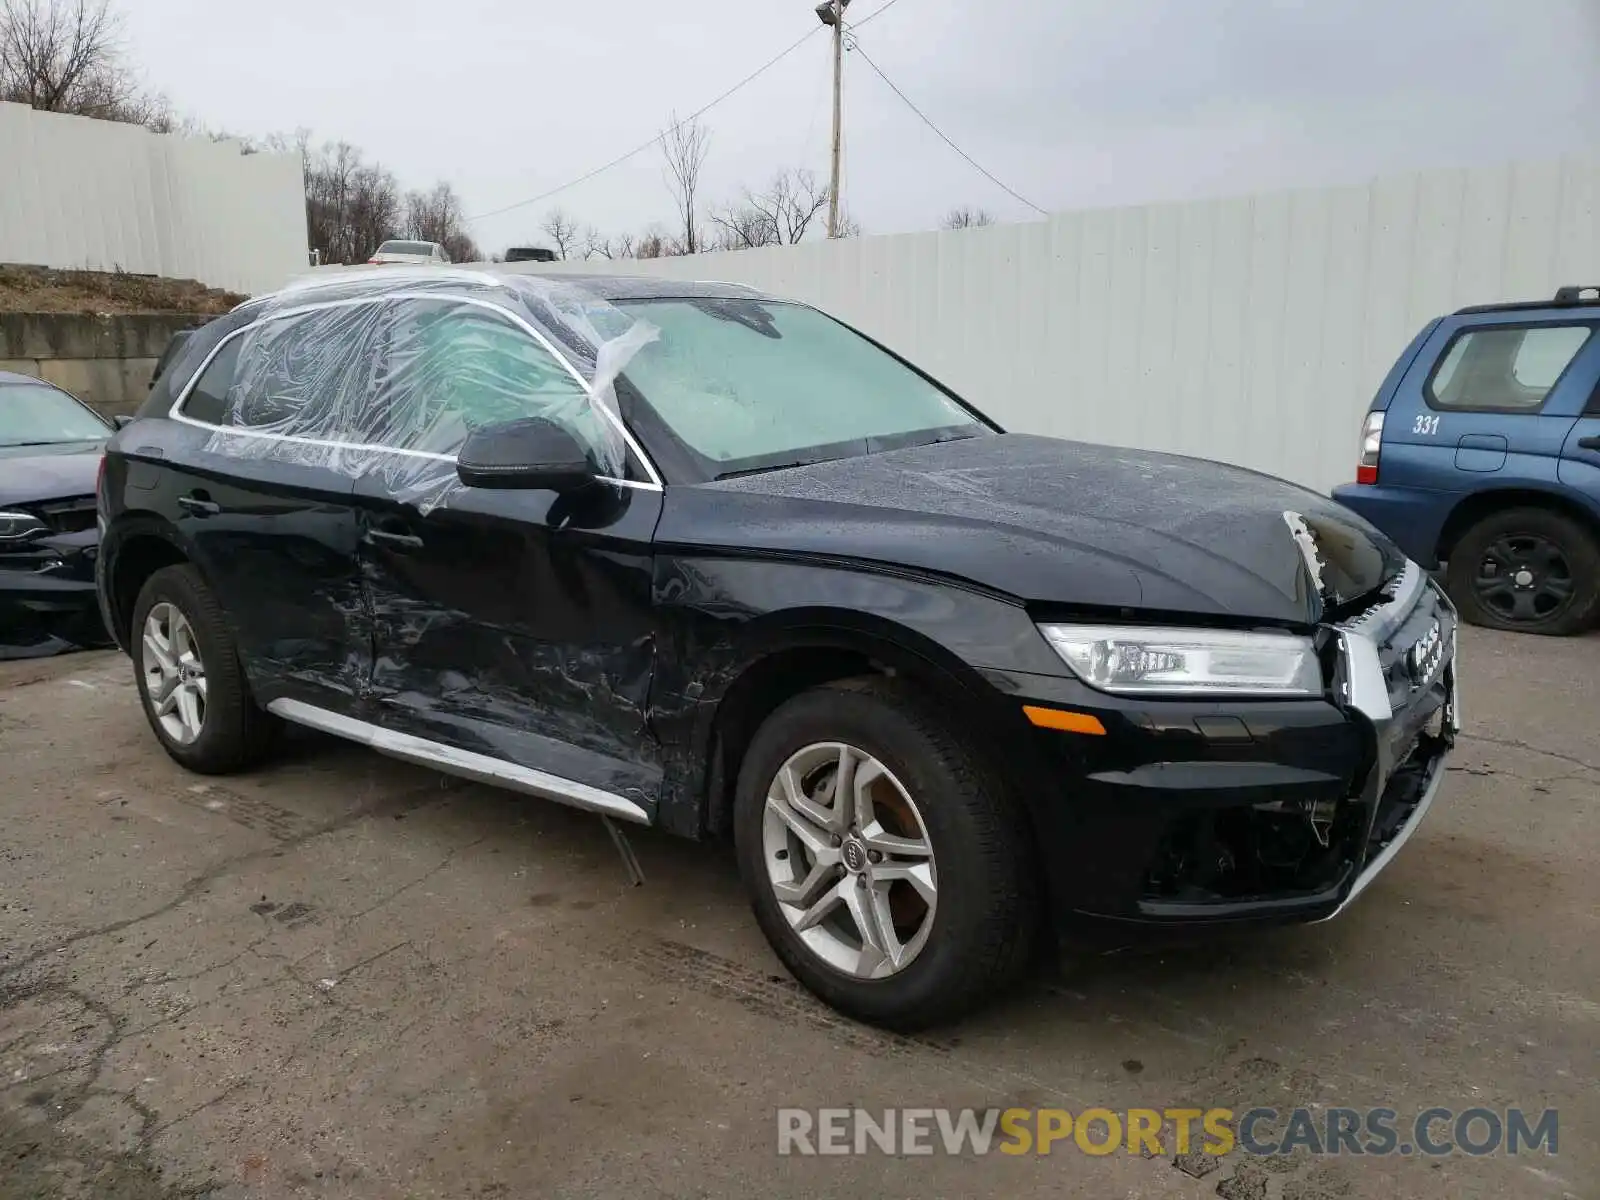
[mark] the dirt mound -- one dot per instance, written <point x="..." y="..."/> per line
<point x="41" y="290"/>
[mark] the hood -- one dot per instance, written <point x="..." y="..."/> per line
<point x="1060" y="523"/>
<point x="38" y="474"/>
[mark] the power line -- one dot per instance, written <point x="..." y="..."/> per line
<point x="926" y="120"/>
<point x="873" y="16"/>
<point x="643" y="146"/>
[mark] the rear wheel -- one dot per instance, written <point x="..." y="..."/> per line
<point x="191" y="684"/>
<point x="886" y="864"/>
<point x="1529" y="570"/>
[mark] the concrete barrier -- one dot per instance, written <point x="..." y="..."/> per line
<point x="104" y="361"/>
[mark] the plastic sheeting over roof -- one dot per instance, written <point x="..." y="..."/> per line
<point x="387" y="371"/>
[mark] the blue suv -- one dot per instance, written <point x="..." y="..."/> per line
<point x="1482" y="452"/>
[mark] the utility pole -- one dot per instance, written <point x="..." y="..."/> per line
<point x="831" y="12"/>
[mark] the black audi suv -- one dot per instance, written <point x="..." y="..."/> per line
<point x="697" y="558"/>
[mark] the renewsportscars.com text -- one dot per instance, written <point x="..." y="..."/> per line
<point x="1158" y="1131"/>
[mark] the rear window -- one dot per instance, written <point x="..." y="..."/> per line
<point x="406" y="248"/>
<point x="1505" y="370"/>
<point x="208" y="399"/>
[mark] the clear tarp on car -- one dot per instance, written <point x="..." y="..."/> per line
<point x="387" y="374"/>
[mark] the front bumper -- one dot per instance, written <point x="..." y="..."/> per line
<point x="48" y="603"/>
<point x="1195" y="814"/>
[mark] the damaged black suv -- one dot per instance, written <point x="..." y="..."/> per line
<point x="695" y="558"/>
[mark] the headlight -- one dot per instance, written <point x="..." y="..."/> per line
<point x="14" y="526"/>
<point x="1188" y="662"/>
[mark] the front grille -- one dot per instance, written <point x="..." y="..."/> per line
<point x="68" y="516"/>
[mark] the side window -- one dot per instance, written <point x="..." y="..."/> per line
<point x="453" y="368"/>
<point x="208" y="399"/>
<point x="309" y="375"/>
<point x="1505" y="370"/>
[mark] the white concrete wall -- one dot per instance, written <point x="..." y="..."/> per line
<point x="1253" y="330"/>
<point x="78" y="193"/>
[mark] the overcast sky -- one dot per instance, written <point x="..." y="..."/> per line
<point x="1069" y="102"/>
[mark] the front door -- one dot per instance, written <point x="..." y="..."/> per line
<point x="513" y="624"/>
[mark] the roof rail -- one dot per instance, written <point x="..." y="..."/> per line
<point x="1575" y="295"/>
<point x="1582" y="295"/>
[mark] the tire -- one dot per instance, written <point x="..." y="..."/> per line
<point x="232" y="732"/>
<point x="977" y="935"/>
<point x="1556" y="552"/>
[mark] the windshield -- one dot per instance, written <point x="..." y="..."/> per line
<point x="751" y="385"/>
<point x="32" y="414"/>
<point x="406" y="248"/>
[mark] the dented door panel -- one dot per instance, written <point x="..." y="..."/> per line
<point x="517" y="625"/>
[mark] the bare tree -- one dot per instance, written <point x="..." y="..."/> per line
<point x="563" y="231"/>
<point x="742" y="226"/>
<point x="963" y="217"/>
<point x="686" y="145"/>
<point x="376" y="211"/>
<point x="778" y="216"/>
<point x="653" y="244"/>
<point x="437" y="216"/>
<point x="433" y="215"/>
<point x="351" y="205"/>
<point x="597" y="245"/>
<point x="66" y="56"/>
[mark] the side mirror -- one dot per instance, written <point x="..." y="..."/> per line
<point x="531" y="454"/>
<point x="122" y="420"/>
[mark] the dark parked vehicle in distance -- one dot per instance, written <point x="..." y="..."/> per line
<point x="688" y="556"/>
<point x="530" y="254"/>
<point x="1482" y="451"/>
<point x="50" y="449"/>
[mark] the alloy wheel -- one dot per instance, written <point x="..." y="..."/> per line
<point x="1524" y="579"/>
<point x="174" y="673"/>
<point x="849" y="860"/>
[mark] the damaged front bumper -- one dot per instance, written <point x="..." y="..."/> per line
<point x="1398" y="665"/>
<point x="48" y="603"/>
<point x="1192" y="814"/>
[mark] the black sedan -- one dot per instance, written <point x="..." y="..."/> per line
<point x="696" y="558"/>
<point x="50" y="450"/>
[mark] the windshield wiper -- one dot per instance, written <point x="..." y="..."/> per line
<point x="62" y="442"/>
<point x="751" y="316"/>
<point x="788" y="466"/>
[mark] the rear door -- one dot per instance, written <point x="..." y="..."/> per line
<point x="258" y="493"/>
<point x="1490" y="402"/>
<point x="516" y="624"/>
<point x="1580" y="457"/>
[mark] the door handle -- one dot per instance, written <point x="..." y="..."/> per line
<point x="384" y="537"/>
<point x="198" y="507"/>
<point x="1589" y="443"/>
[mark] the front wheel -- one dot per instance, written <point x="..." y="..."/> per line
<point x="886" y="864"/>
<point x="1529" y="570"/>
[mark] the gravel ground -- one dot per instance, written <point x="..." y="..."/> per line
<point x="343" y="976"/>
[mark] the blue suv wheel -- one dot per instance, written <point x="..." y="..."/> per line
<point x="1526" y="569"/>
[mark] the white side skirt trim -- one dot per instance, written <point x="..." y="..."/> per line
<point x="465" y="763"/>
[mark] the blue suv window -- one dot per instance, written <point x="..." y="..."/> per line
<point x="1503" y="369"/>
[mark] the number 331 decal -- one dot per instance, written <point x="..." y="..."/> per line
<point x="1427" y="425"/>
